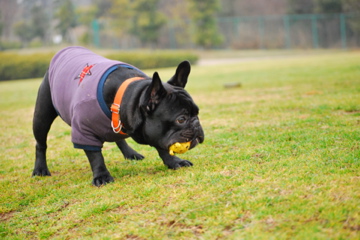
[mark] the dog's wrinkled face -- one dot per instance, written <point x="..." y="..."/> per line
<point x="171" y="114"/>
<point x="175" y="119"/>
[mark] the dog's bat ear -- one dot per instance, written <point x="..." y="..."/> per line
<point x="154" y="94"/>
<point x="181" y="75"/>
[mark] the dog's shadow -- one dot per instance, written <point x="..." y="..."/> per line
<point x="132" y="169"/>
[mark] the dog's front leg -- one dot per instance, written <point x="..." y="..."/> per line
<point x="172" y="162"/>
<point x="101" y="175"/>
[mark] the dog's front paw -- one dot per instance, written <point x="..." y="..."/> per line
<point x="135" y="156"/>
<point x="185" y="163"/>
<point x="102" y="180"/>
<point x="173" y="162"/>
<point x="41" y="172"/>
<point x="179" y="164"/>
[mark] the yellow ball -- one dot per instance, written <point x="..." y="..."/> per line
<point x="179" y="148"/>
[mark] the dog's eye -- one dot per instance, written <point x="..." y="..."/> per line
<point x="181" y="120"/>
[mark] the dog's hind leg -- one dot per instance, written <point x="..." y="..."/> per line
<point x="127" y="151"/>
<point x="44" y="116"/>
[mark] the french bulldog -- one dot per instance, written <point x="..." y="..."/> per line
<point x="108" y="101"/>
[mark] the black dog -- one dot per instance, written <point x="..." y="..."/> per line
<point x="107" y="101"/>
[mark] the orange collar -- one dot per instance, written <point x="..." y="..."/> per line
<point x="115" y="107"/>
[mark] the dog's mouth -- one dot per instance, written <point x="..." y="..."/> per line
<point x="196" y="141"/>
<point x="193" y="136"/>
<point x="193" y="143"/>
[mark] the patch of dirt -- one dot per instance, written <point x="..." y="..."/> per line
<point x="133" y="237"/>
<point x="197" y="229"/>
<point x="6" y="216"/>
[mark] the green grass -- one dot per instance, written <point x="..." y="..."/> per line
<point x="280" y="161"/>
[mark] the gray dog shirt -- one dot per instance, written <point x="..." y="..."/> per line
<point x="76" y="77"/>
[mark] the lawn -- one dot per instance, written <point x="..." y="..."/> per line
<point x="280" y="161"/>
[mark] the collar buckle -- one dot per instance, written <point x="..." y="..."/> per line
<point x="115" y="108"/>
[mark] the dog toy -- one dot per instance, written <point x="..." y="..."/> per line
<point x="179" y="148"/>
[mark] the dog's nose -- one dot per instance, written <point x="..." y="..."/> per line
<point x="199" y="133"/>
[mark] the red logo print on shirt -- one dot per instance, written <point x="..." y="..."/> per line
<point x="85" y="72"/>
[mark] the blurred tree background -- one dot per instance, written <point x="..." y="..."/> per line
<point x="161" y="23"/>
<point x="202" y="12"/>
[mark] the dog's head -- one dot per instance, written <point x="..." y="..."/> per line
<point x="170" y="112"/>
